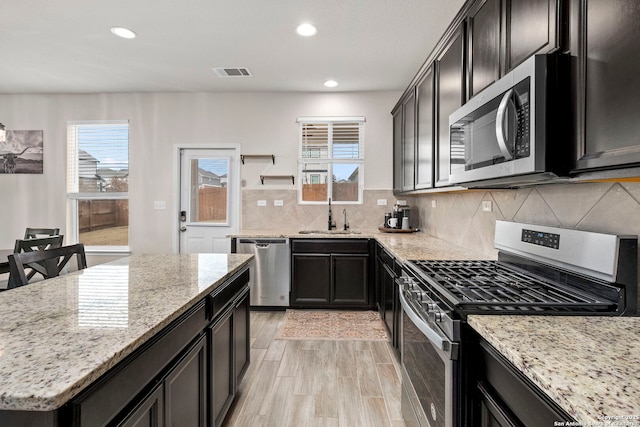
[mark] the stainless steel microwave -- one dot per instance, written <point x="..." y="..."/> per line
<point x="518" y="130"/>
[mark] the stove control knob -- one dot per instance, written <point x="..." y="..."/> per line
<point x="405" y="282"/>
<point x="432" y="306"/>
<point x="437" y="316"/>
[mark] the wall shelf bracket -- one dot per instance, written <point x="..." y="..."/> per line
<point x="258" y="156"/>
<point x="263" y="177"/>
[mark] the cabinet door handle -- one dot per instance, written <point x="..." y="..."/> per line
<point x="500" y="119"/>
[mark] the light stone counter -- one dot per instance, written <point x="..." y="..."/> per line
<point x="589" y="366"/>
<point x="59" y="335"/>
<point x="404" y="246"/>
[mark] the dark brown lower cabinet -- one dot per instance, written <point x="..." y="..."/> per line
<point x="221" y="335"/>
<point x="311" y="279"/>
<point x="331" y="273"/>
<point x="185" y="389"/>
<point x="229" y="341"/>
<point x="149" y="412"/>
<point x="503" y="396"/>
<point x="180" y="398"/>
<point x="241" y="343"/>
<point x="350" y="279"/>
<point x="386" y="274"/>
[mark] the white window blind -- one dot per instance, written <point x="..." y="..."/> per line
<point x="98" y="183"/>
<point x="333" y="138"/>
<point x="97" y="158"/>
<point x="331" y="159"/>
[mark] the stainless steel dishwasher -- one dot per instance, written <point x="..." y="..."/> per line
<point x="270" y="271"/>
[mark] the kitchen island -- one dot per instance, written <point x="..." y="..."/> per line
<point x="64" y="340"/>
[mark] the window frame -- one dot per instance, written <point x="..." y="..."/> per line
<point x="73" y="197"/>
<point x="330" y="161"/>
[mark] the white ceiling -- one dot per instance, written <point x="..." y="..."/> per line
<point x="65" y="46"/>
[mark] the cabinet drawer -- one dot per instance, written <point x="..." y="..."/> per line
<point x="220" y="298"/>
<point x="385" y="257"/>
<point x="325" y="246"/>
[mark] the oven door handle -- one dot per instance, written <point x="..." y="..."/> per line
<point x="440" y="343"/>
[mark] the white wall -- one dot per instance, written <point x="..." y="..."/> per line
<point x="263" y="123"/>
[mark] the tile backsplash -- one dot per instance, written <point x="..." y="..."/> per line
<point x="458" y="217"/>
<point x="294" y="216"/>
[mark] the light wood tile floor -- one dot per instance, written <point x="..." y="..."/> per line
<point x="315" y="382"/>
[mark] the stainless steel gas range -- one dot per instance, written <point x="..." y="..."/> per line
<point x="540" y="271"/>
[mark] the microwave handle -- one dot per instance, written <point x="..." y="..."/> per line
<point x="500" y="118"/>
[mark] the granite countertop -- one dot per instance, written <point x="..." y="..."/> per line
<point x="404" y="246"/>
<point x="59" y="335"/>
<point x="589" y="366"/>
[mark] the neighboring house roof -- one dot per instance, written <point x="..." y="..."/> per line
<point x="207" y="173"/>
<point x="86" y="157"/>
<point x="354" y="176"/>
<point x="108" y="173"/>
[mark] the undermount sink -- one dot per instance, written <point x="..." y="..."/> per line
<point x="328" y="232"/>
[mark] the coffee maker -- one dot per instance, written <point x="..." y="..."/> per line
<point x="399" y="213"/>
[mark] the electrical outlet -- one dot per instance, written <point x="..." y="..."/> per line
<point x="486" y="206"/>
<point x="278" y="203"/>
<point x="262" y="203"/>
<point x="434" y="204"/>
<point x="382" y="202"/>
<point x="159" y="204"/>
<point x="401" y="202"/>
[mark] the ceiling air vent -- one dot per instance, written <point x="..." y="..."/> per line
<point x="232" y="72"/>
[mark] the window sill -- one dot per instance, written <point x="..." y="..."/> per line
<point x="107" y="250"/>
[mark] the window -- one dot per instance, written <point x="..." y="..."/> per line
<point x="331" y="159"/>
<point x="98" y="183"/>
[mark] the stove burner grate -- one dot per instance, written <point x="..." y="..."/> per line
<point x="492" y="286"/>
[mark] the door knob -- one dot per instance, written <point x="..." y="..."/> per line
<point x="183" y="229"/>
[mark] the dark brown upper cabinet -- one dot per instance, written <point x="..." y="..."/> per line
<point x="484" y="44"/>
<point x="503" y="33"/>
<point x="409" y="141"/>
<point x="532" y="27"/>
<point x="397" y="149"/>
<point x="425" y="131"/>
<point x="404" y="123"/>
<point x="450" y="95"/>
<point x="605" y="37"/>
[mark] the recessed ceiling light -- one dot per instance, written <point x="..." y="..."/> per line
<point x="306" y="30"/>
<point x="123" y="32"/>
<point x="331" y="83"/>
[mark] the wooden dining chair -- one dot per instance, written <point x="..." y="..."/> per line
<point x="48" y="262"/>
<point x="38" y="244"/>
<point x="33" y="233"/>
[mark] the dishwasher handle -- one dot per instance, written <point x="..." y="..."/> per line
<point x="263" y="242"/>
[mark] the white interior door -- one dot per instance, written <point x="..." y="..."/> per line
<point x="209" y="199"/>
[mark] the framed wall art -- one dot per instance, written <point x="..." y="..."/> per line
<point x="22" y="152"/>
